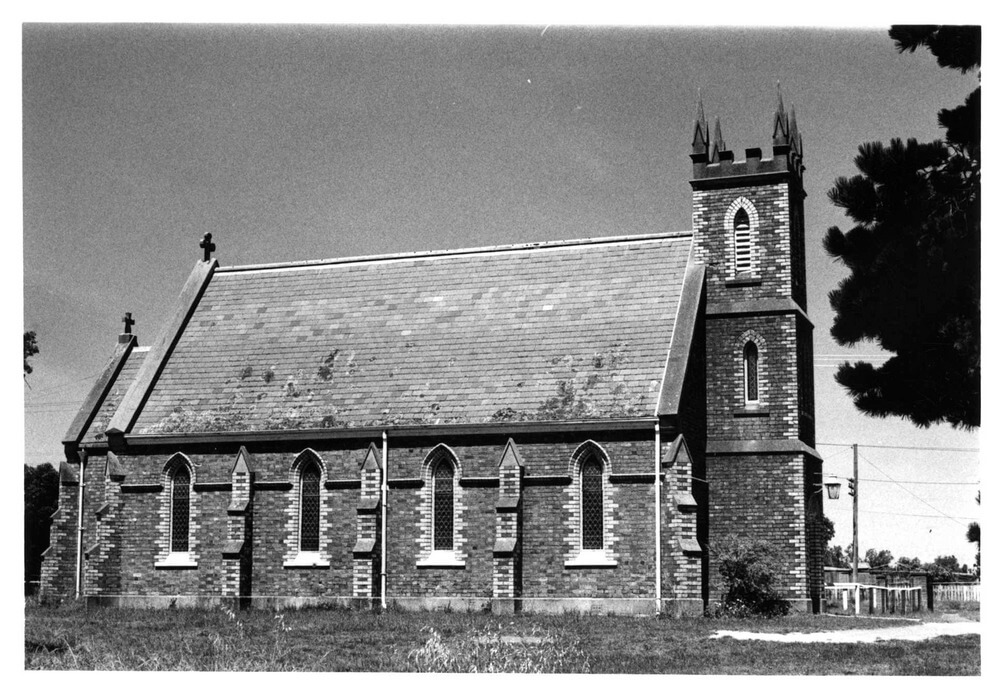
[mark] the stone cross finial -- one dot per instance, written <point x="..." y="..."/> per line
<point x="128" y="322"/>
<point x="208" y="246"/>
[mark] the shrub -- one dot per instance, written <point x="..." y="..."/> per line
<point x="748" y="568"/>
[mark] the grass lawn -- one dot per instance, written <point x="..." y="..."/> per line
<point x="343" y="640"/>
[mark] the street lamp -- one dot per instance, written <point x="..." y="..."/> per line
<point x="833" y="489"/>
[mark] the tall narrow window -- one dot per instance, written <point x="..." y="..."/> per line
<point x="309" y="509"/>
<point x="180" y="510"/>
<point x="592" y="505"/>
<point x="750" y="372"/>
<point x="444" y="506"/>
<point x="742" y="244"/>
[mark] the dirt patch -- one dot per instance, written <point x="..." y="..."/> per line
<point x="927" y="630"/>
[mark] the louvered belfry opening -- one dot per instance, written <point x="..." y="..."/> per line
<point x="309" y="509"/>
<point x="741" y="231"/>
<point x="592" y="505"/>
<point x="180" y="510"/>
<point x="750" y="370"/>
<point x="444" y="506"/>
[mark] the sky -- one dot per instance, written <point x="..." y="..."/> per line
<point x="297" y="142"/>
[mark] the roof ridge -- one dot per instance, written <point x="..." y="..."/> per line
<point x="419" y="254"/>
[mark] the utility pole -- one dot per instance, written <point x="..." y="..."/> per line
<point x="854" y="573"/>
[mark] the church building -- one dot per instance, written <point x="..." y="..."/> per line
<point x="549" y="427"/>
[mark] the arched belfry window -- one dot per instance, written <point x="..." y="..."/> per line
<point x="751" y="375"/>
<point x="742" y="241"/>
<point x="180" y="509"/>
<point x="309" y="507"/>
<point x="443" y="505"/>
<point x="592" y="504"/>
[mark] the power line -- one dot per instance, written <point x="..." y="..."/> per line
<point x="902" y="514"/>
<point x="929" y="449"/>
<point x="56" y="388"/>
<point x="918" y="498"/>
<point x="882" y="480"/>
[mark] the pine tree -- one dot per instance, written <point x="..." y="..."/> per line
<point x="914" y="258"/>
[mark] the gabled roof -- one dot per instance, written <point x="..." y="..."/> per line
<point x="106" y="394"/>
<point x="557" y="331"/>
<point x="96" y="430"/>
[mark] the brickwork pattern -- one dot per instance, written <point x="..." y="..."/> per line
<point x="507" y="563"/>
<point x="754" y="238"/>
<point x="57" y="563"/>
<point x="104" y="566"/>
<point x="93" y="499"/>
<point x="536" y="569"/>
<point x="237" y="580"/>
<point x="366" y="582"/>
<point x="776" y="414"/>
<point x="694" y="426"/>
<point x="798" y="249"/>
<point x="763" y="497"/>
<point x="683" y="572"/>
<point x="713" y="244"/>
<point x="806" y="387"/>
<point x="815" y="546"/>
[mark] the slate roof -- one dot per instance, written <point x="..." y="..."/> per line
<point x="95" y="432"/>
<point x="556" y="331"/>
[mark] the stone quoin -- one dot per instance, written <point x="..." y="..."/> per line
<point x="550" y="427"/>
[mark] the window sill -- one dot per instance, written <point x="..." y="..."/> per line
<point x="309" y="560"/>
<point x="444" y="559"/>
<point x="590" y="558"/>
<point x="177" y="561"/>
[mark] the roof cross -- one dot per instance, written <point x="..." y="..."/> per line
<point x="208" y="246"/>
<point x="126" y="336"/>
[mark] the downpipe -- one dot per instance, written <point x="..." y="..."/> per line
<point x="79" y="524"/>
<point x="656" y="513"/>
<point x="385" y="498"/>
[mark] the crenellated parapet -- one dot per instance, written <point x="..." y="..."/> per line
<point x="713" y="161"/>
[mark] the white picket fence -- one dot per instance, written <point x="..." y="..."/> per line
<point x="878" y="599"/>
<point x="956" y="592"/>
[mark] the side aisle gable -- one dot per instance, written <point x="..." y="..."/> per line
<point x="98" y="393"/>
<point x="158" y="354"/>
<point x="681" y="341"/>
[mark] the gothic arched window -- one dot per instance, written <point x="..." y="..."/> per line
<point x="751" y="373"/>
<point x="742" y="241"/>
<point x="592" y="505"/>
<point x="309" y="506"/>
<point x="180" y="509"/>
<point x="443" y="506"/>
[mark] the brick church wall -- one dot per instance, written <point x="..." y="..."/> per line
<point x="713" y="245"/>
<point x="762" y="497"/>
<point x="549" y="499"/>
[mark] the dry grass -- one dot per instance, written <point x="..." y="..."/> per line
<point x="345" y="640"/>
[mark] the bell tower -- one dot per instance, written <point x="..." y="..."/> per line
<point x="761" y="465"/>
